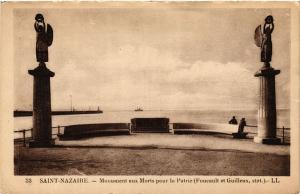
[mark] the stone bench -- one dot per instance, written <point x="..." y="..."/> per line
<point x="193" y="128"/>
<point x="91" y="130"/>
<point x="150" y="125"/>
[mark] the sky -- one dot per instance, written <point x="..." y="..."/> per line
<point x="179" y="58"/>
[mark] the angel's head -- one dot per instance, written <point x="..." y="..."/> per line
<point x="39" y="22"/>
<point x="269" y="19"/>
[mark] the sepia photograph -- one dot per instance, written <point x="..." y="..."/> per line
<point x="152" y="89"/>
<point x="197" y="91"/>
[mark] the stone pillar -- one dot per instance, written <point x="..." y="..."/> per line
<point x="267" y="107"/>
<point x="42" y="122"/>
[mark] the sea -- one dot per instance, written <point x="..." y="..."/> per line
<point x="175" y="116"/>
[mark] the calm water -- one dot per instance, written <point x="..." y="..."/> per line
<point x="175" y="116"/>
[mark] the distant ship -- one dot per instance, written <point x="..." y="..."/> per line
<point x="138" y="109"/>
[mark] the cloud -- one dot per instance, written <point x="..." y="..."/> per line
<point x="146" y="77"/>
<point x="175" y="59"/>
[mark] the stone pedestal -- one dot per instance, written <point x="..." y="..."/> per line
<point x="267" y="107"/>
<point x="42" y="122"/>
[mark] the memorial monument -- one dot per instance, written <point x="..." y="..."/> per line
<point x="267" y="98"/>
<point x="42" y="121"/>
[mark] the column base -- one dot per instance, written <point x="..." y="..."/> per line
<point x="270" y="141"/>
<point x="41" y="144"/>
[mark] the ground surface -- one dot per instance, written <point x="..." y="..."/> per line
<point x="154" y="154"/>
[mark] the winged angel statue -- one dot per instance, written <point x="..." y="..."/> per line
<point x="44" y="38"/>
<point x="263" y="39"/>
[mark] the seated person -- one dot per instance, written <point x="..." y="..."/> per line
<point x="233" y="121"/>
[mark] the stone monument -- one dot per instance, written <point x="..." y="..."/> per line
<point x="42" y="121"/>
<point x="267" y="98"/>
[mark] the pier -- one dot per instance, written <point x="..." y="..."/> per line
<point x="22" y="113"/>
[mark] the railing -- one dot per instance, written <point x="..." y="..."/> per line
<point x="29" y="137"/>
<point x="284" y="135"/>
<point x="23" y="131"/>
<point x="58" y="129"/>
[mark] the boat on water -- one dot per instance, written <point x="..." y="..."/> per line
<point x="138" y="109"/>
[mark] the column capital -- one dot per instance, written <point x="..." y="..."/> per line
<point x="41" y="71"/>
<point x="267" y="72"/>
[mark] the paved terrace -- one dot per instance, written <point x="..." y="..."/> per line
<point x="155" y="154"/>
<point x="170" y="141"/>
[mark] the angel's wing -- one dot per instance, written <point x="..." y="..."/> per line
<point x="49" y="35"/>
<point x="258" y="36"/>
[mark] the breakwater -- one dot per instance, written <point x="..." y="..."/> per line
<point x="29" y="113"/>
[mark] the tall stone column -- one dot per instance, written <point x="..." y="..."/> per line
<point x="266" y="117"/>
<point x="267" y="107"/>
<point x="42" y="122"/>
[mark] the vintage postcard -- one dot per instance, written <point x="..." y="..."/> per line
<point x="149" y="97"/>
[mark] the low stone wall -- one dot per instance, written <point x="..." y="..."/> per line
<point x="90" y="130"/>
<point x="181" y="128"/>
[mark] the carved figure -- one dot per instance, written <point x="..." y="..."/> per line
<point x="263" y="39"/>
<point x="44" y="38"/>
